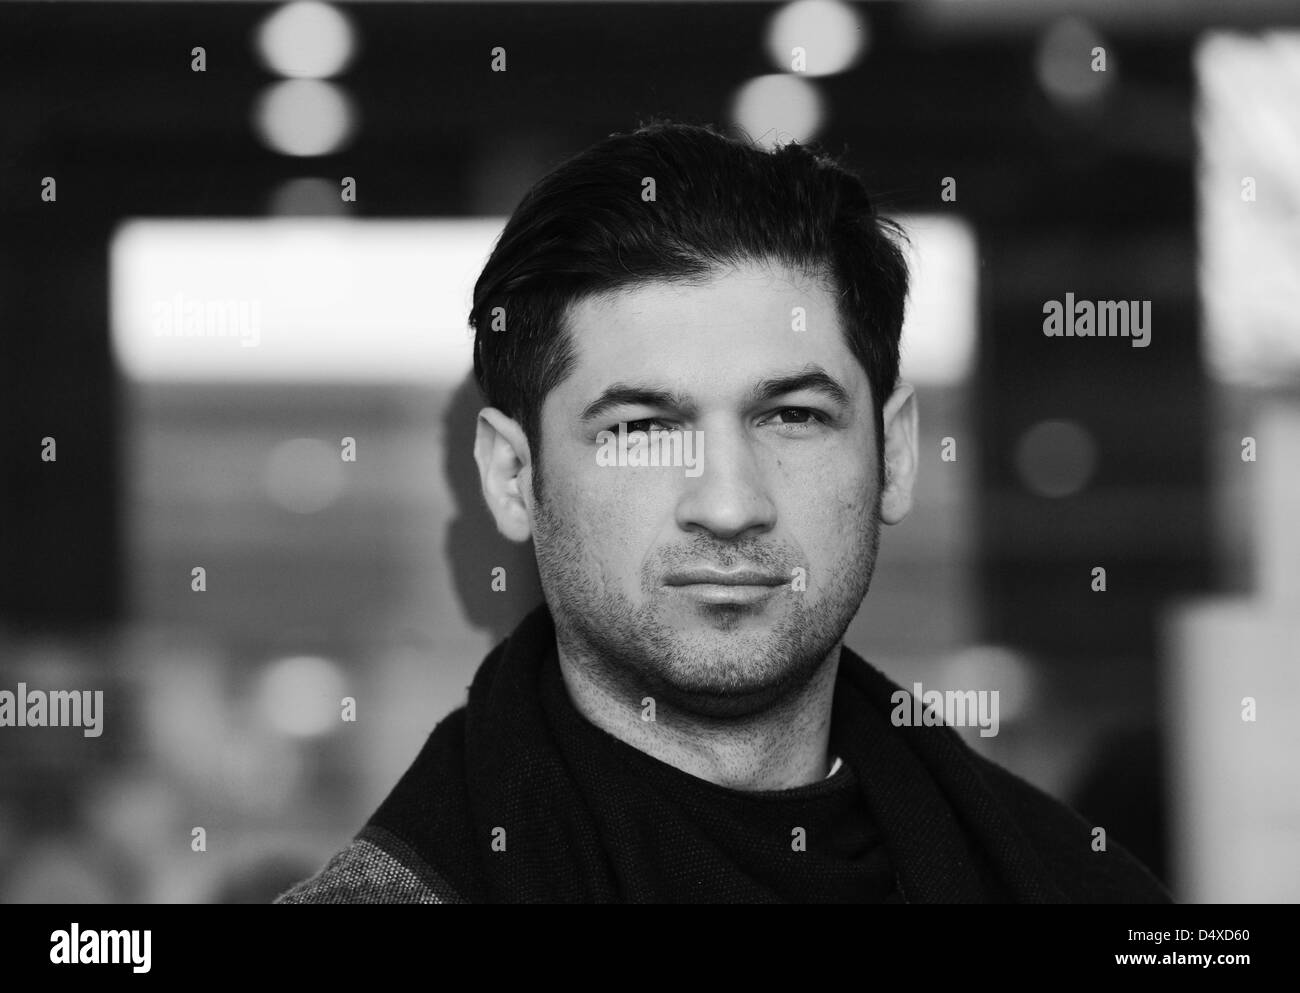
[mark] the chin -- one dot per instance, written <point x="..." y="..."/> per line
<point x="703" y="697"/>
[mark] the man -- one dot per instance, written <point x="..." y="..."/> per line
<point x="690" y="348"/>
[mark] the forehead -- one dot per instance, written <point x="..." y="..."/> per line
<point x="711" y="336"/>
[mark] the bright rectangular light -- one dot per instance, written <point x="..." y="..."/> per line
<point x="296" y="299"/>
<point x="938" y="345"/>
<point x="1248" y="87"/>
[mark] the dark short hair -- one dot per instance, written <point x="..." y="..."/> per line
<point x="584" y="229"/>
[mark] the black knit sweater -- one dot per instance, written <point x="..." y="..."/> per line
<point x="516" y="797"/>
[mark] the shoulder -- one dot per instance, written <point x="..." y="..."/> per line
<point x="1069" y="846"/>
<point x="1042" y="835"/>
<point x="375" y="867"/>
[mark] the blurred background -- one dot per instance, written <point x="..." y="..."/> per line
<point x="237" y="246"/>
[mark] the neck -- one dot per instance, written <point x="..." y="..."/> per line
<point x="783" y="746"/>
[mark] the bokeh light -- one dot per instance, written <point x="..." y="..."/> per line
<point x="1056" y="458"/>
<point x="304" y="117"/>
<point x="993" y="667"/>
<point x="1064" y="62"/>
<point x="778" y="108"/>
<point x="306" y="40"/>
<point x="832" y="34"/>
<point x="301" y="696"/>
<point x="304" y="475"/>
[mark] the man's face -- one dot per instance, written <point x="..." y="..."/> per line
<point x="788" y="489"/>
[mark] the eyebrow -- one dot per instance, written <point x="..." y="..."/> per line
<point x="813" y="378"/>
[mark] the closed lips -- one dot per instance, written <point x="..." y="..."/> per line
<point x="743" y="577"/>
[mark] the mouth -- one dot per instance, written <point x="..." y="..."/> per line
<point x="717" y="577"/>
<point x="739" y="587"/>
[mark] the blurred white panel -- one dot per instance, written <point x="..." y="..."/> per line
<point x="1249" y="137"/>
<point x="1276" y="525"/>
<point x="1235" y="813"/>
<point x="939" y="330"/>
<point x="1233" y="685"/>
<point x="297" y="299"/>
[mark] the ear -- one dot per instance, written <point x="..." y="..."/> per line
<point x="505" y="470"/>
<point x="898" y="448"/>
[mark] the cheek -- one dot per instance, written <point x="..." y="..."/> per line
<point x="831" y="518"/>
<point x="612" y="518"/>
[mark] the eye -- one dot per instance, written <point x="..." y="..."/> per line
<point x="641" y="425"/>
<point x="810" y="419"/>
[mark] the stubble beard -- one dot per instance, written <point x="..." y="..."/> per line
<point x="719" y="665"/>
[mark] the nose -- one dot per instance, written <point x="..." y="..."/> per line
<point x="729" y="498"/>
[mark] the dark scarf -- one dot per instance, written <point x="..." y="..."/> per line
<point x="586" y="818"/>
